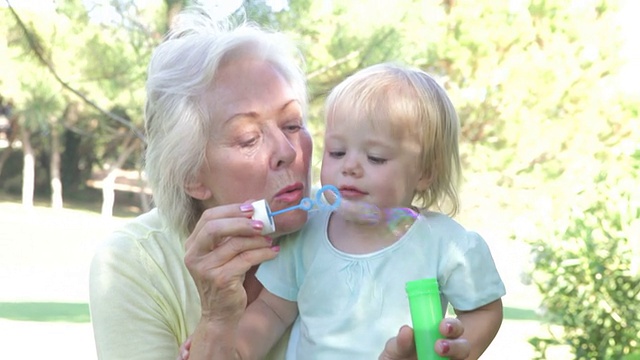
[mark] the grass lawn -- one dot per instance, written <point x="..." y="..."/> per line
<point x="44" y="280"/>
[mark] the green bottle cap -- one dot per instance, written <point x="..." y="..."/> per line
<point x="422" y="286"/>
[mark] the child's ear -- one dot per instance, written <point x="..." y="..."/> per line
<point x="198" y="190"/>
<point x="424" y="182"/>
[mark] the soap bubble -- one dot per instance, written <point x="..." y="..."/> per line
<point x="399" y="220"/>
<point x="396" y="220"/>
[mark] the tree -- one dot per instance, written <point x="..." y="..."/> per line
<point x="526" y="78"/>
<point x="111" y="55"/>
<point x="589" y="273"/>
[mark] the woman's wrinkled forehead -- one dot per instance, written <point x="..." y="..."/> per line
<point x="250" y="88"/>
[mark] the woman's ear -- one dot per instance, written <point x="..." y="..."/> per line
<point x="198" y="190"/>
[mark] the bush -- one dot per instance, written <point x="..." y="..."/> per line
<point x="589" y="272"/>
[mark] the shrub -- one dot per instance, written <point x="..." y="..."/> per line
<point x="589" y="272"/>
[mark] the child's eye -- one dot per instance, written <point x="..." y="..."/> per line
<point x="376" y="160"/>
<point x="336" y="154"/>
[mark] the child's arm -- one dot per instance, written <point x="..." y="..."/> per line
<point x="262" y="325"/>
<point x="481" y="326"/>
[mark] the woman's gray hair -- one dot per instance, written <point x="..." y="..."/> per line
<point x="177" y="120"/>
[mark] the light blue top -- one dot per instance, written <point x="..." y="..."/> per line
<point x="350" y="305"/>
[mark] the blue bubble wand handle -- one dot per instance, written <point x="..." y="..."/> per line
<point x="426" y="314"/>
<point x="263" y="213"/>
<point x="307" y="204"/>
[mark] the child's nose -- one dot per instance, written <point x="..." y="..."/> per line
<point x="351" y="167"/>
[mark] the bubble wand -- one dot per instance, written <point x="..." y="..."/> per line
<point x="263" y="213"/>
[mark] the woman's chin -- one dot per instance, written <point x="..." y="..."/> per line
<point x="290" y="222"/>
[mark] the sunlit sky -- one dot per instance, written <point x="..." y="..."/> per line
<point x="630" y="76"/>
<point x="48" y="5"/>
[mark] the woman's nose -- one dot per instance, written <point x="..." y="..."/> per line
<point x="285" y="151"/>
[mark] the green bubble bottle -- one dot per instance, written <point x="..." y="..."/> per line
<point x="426" y="314"/>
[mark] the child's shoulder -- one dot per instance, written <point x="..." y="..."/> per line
<point x="445" y="228"/>
<point x="440" y="222"/>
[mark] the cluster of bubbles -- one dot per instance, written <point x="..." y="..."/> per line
<point x="397" y="220"/>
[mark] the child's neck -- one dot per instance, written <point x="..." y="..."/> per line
<point x="358" y="238"/>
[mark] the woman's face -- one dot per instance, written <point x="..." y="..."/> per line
<point x="259" y="147"/>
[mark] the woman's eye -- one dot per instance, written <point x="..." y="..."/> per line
<point x="377" y="160"/>
<point x="249" y="142"/>
<point x="293" y="127"/>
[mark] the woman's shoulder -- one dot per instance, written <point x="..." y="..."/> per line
<point x="146" y="233"/>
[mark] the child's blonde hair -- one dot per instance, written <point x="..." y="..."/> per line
<point x="415" y="105"/>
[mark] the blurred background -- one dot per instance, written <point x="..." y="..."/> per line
<point x="548" y="94"/>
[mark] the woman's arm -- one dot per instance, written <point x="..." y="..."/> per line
<point x="263" y="323"/>
<point x="481" y="326"/>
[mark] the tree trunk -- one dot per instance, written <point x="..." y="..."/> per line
<point x="28" y="170"/>
<point x="109" y="193"/>
<point x="56" y="183"/>
<point x="5" y="155"/>
<point x="12" y="133"/>
<point x="109" y="182"/>
<point x="145" y="202"/>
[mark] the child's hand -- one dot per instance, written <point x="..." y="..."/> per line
<point x="183" y="353"/>
<point x="452" y="346"/>
<point x="403" y="346"/>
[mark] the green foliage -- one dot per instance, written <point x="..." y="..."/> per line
<point x="588" y="270"/>
<point x="536" y="83"/>
<point x="42" y="101"/>
<point x="95" y="61"/>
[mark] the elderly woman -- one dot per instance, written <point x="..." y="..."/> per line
<point x="225" y="122"/>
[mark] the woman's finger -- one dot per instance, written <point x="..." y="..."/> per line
<point x="234" y="246"/>
<point x="244" y="210"/>
<point x="183" y="352"/>
<point x="212" y="233"/>
<point x="235" y="257"/>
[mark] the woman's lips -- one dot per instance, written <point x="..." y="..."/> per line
<point x="290" y="194"/>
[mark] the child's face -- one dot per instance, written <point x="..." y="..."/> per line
<point x="371" y="165"/>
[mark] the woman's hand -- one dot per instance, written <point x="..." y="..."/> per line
<point x="224" y="245"/>
<point x="403" y="347"/>
<point x="183" y="352"/>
